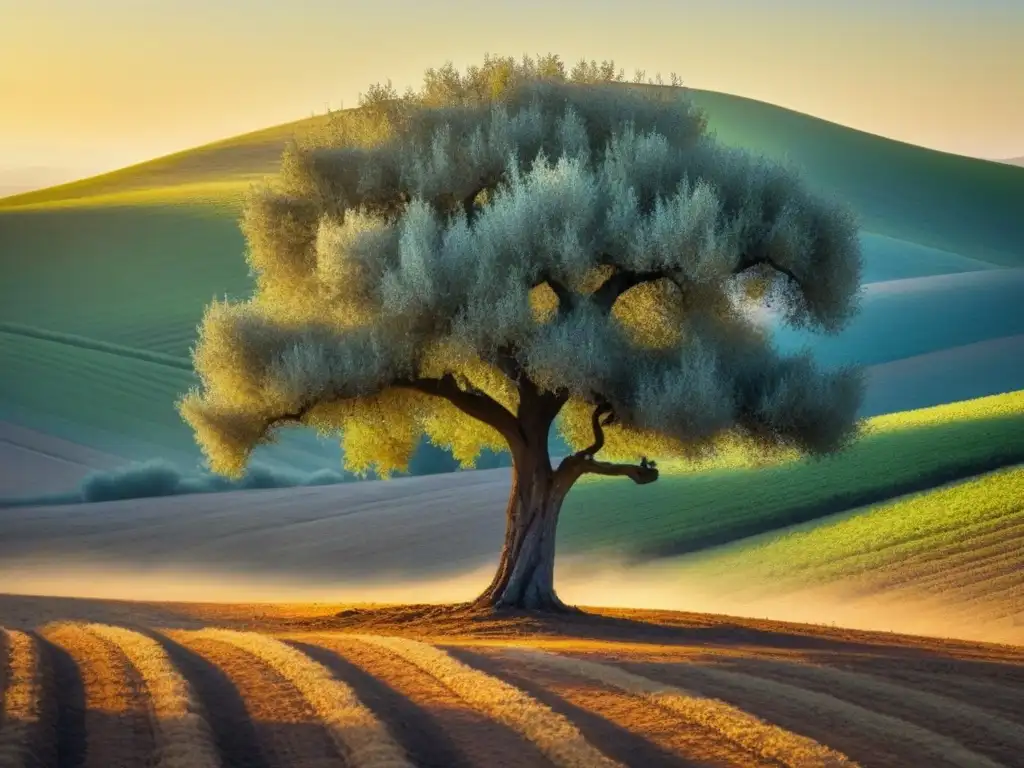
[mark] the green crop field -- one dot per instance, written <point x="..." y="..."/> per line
<point x="959" y="545"/>
<point x="688" y="510"/>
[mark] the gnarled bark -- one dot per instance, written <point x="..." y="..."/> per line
<point x="525" y="577"/>
<point x="526" y="570"/>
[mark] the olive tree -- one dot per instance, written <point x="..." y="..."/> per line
<point x="512" y="249"/>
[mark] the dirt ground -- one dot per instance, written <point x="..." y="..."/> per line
<point x="437" y="685"/>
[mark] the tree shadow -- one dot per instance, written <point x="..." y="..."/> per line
<point x="30" y="611"/>
<point x="610" y="738"/>
<point x="67" y="741"/>
<point x="671" y="628"/>
<point x="233" y="729"/>
<point x="415" y="729"/>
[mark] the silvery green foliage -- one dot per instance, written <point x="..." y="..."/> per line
<point x="441" y="233"/>
<point x="583" y="351"/>
<point x="317" y="365"/>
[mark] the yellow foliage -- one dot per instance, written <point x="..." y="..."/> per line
<point x="226" y="436"/>
<point x="651" y="314"/>
<point x="339" y="278"/>
<point x="543" y="303"/>
<point x="222" y="361"/>
<point x="380" y="432"/>
<point x="280" y="231"/>
<point x="449" y="427"/>
<point x="593" y="279"/>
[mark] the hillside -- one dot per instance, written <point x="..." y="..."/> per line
<point x="944" y="201"/>
<point x="202" y="686"/>
<point x="441" y="534"/>
<point x="106" y="278"/>
<point x="948" y="202"/>
<point x="938" y="561"/>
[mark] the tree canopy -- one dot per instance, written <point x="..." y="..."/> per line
<point x="517" y="232"/>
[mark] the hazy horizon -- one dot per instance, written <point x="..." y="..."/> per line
<point x="117" y="84"/>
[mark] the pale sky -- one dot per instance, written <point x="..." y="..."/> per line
<point x="91" y="85"/>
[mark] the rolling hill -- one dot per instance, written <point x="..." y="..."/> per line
<point x="106" y="278"/>
<point x="949" y="557"/>
<point x="400" y="534"/>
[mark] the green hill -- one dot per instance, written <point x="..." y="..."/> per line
<point x="949" y="202"/>
<point x="130" y="258"/>
<point x="952" y="552"/>
<point x="687" y="511"/>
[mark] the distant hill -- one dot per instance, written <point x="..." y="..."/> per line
<point x="105" y="279"/>
<point x="943" y="201"/>
<point x="22" y="179"/>
<point x="1014" y="160"/>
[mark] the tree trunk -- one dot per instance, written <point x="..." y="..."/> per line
<point x="526" y="571"/>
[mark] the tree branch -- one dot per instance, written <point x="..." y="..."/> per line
<point x="582" y="462"/>
<point x="605" y="409"/>
<point x="620" y="282"/>
<point x="477" y="405"/>
<point x="639" y="474"/>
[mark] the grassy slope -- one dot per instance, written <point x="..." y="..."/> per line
<point x="956" y="547"/>
<point x="889" y="535"/>
<point x="131" y="258"/>
<point x="903" y="452"/>
<point x="224" y="168"/>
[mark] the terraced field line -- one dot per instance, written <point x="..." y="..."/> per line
<point x="948" y="714"/>
<point x="929" y="746"/>
<point x="22" y="699"/>
<point x="112" y="707"/>
<point x="3" y="668"/>
<point x="364" y="740"/>
<point x="183" y="738"/>
<point x="553" y="734"/>
<point x="742" y="728"/>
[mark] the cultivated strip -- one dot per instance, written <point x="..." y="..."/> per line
<point x="872" y="727"/>
<point x="742" y="728"/>
<point x="183" y="738"/>
<point x="362" y="739"/>
<point x="553" y="734"/>
<point x="3" y="669"/>
<point x="22" y="699"/>
<point x="949" y="715"/>
<point x="438" y="727"/>
<point x="114" y="705"/>
<point x="616" y="722"/>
